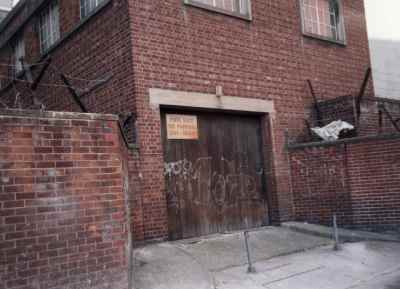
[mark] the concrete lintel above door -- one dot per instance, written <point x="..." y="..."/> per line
<point x="209" y="101"/>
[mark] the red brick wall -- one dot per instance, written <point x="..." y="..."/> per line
<point x="98" y="48"/>
<point x="166" y="44"/>
<point x="63" y="201"/>
<point x="185" y="48"/>
<point x="359" y="180"/>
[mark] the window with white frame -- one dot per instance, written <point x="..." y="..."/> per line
<point x="323" y="18"/>
<point x="19" y="54"/>
<point x="49" y="26"/>
<point x="88" y="6"/>
<point x="240" y="8"/>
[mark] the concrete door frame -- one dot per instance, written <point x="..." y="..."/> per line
<point x="193" y="100"/>
<point x="169" y="98"/>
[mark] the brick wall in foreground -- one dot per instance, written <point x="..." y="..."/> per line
<point x="358" y="179"/>
<point x="63" y="200"/>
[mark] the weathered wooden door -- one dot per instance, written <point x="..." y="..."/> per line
<point x="214" y="173"/>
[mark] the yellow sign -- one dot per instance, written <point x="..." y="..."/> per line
<point x="180" y="126"/>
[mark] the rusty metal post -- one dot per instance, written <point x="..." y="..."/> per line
<point x="363" y="88"/>
<point x="250" y="268"/>
<point x="336" y="245"/>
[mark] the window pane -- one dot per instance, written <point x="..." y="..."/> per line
<point x="235" y="6"/>
<point x="49" y="29"/>
<point x="88" y="6"/>
<point x="19" y="52"/>
<point x="321" y="17"/>
<point x="244" y="7"/>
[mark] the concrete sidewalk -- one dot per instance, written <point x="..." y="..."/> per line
<point x="284" y="259"/>
<point x="192" y="263"/>
<point x="369" y="265"/>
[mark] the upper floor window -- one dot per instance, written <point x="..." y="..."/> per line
<point x="49" y="26"/>
<point x="240" y="8"/>
<point x="88" y="6"/>
<point x="19" y="54"/>
<point x="323" y="19"/>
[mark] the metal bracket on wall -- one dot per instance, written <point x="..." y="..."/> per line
<point x="316" y="106"/>
<point x="17" y="101"/>
<point x="74" y="93"/>
<point x="37" y="80"/>
<point x="78" y="96"/>
<point x="94" y="86"/>
<point x="384" y="110"/>
<point x="3" y="104"/>
<point x="362" y="91"/>
<point x="32" y="83"/>
<point x="309" y="131"/>
<point x="124" y="120"/>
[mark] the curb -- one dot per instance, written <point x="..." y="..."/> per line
<point x="345" y="235"/>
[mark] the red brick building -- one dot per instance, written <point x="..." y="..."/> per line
<point x="212" y="86"/>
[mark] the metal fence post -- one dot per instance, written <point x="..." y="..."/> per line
<point x="336" y="245"/>
<point x="250" y="268"/>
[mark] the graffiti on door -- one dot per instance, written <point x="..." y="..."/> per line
<point x="207" y="181"/>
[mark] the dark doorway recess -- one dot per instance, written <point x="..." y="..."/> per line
<point x="215" y="180"/>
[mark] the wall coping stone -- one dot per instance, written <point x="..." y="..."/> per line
<point x="23" y="113"/>
<point x="298" y="146"/>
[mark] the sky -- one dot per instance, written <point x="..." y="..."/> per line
<point x="382" y="19"/>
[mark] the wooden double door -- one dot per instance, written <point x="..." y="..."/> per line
<point x="214" y="173"/>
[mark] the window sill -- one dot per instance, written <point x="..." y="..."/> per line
<point x="75" y="29"/>
<point x="217" y="10"/>
<point x="325" y="39"/>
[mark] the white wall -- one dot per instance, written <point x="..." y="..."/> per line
<point x="384" y="36"/>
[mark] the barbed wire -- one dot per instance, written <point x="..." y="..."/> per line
<point x="54" y="68"/>
<point x="28" y="64"/>
<point x="73" y="77"/>
<point x="5" y="77"/>
<point x="40" y="84"/>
